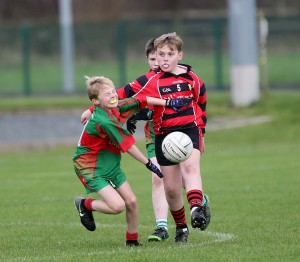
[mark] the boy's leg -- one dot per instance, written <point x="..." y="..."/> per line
<point x="131" y="205"/>
<point x="173" y="184"/>
<point x="160" y="207"/>
<point x="193" y="184"/>
<point x="111" y="203"/>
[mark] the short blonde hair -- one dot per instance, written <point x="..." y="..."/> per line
<point x="95" y="84"/>
<point x="172" y="40"/>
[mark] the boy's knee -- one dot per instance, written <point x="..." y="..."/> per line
<point x="157" y="182"/>
<point x="189" y="169"/>
<point x="118" y="208"/>
<point x="173" y="193"/>
<point x="131" y="203"/>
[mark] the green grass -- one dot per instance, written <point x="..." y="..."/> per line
<point x="251" y="175"/>
<point x="46" y="74"/>
<point x="21" y="104"/>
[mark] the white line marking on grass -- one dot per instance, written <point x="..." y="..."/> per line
<point x="218" y="237"/>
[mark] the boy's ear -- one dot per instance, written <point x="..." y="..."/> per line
<point x="180" y="55"/>
<point x="95" y="101"/>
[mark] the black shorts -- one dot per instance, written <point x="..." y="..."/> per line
<point x="193" y="133"/>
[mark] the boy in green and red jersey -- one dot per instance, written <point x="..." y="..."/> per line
<point x="159" y="202"/>
<point x="98" y="155"/>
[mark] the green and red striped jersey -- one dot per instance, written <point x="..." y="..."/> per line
<point x="104" y="131"/>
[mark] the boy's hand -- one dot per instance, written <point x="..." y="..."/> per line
<point x="179" y="103"/>
<point x="130" y="124"/>
<point x="85" y="116"/>
<point x="143" y="114"/>
<point x="153" y="168"/>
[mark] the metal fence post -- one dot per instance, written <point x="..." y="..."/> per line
<point x="218" y="52"/>
<point x="263" y="59"/>
<point x="67" y="44"/>
<point x="121" y="52"/>
<point x="26" y="59"/>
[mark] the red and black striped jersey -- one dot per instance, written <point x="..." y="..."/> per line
<point x="166" y="85"/>
<point x="132" y="88"/>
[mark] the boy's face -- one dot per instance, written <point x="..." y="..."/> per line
<point x="107" y="98"/>
<point x="168" y="59"/>
<point x="152" y="61"/>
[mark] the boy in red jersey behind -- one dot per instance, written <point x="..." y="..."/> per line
<point x="159" y="202"/>
<point x="98" y="154"/>
<point x="178" y="81"/>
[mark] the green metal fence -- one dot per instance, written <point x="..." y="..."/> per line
<point x="30" y="55"/>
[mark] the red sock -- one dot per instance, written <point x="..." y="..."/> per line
<point x="88" y="204"/>
<point x="179" y="217"/>
<point x="133" y="236"/>
<point x="194" y="198"/>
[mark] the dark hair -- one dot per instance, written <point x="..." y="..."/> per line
<point x="149" y="48"/>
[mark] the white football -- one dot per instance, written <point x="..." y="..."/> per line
<point x="177" y="147"/>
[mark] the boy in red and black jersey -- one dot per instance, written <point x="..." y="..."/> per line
<point x="166" y="85"/>
<point x="175" y="80"/>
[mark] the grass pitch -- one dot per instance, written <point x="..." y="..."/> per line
<point x="251" y="175"/>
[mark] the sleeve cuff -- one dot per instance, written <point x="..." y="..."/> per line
<point x="127" y="143"/>
<point x="142" y="100"/>
<point x="91" y="108"/>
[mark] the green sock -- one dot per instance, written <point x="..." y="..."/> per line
<point x="162" y="223"/>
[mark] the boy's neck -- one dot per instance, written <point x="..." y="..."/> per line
<point x="180" y="69"/>
<point x="105" y="108"/>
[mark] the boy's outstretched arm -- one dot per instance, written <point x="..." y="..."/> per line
<point x="137" y="154"/>
<point x="176" y="104"/>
